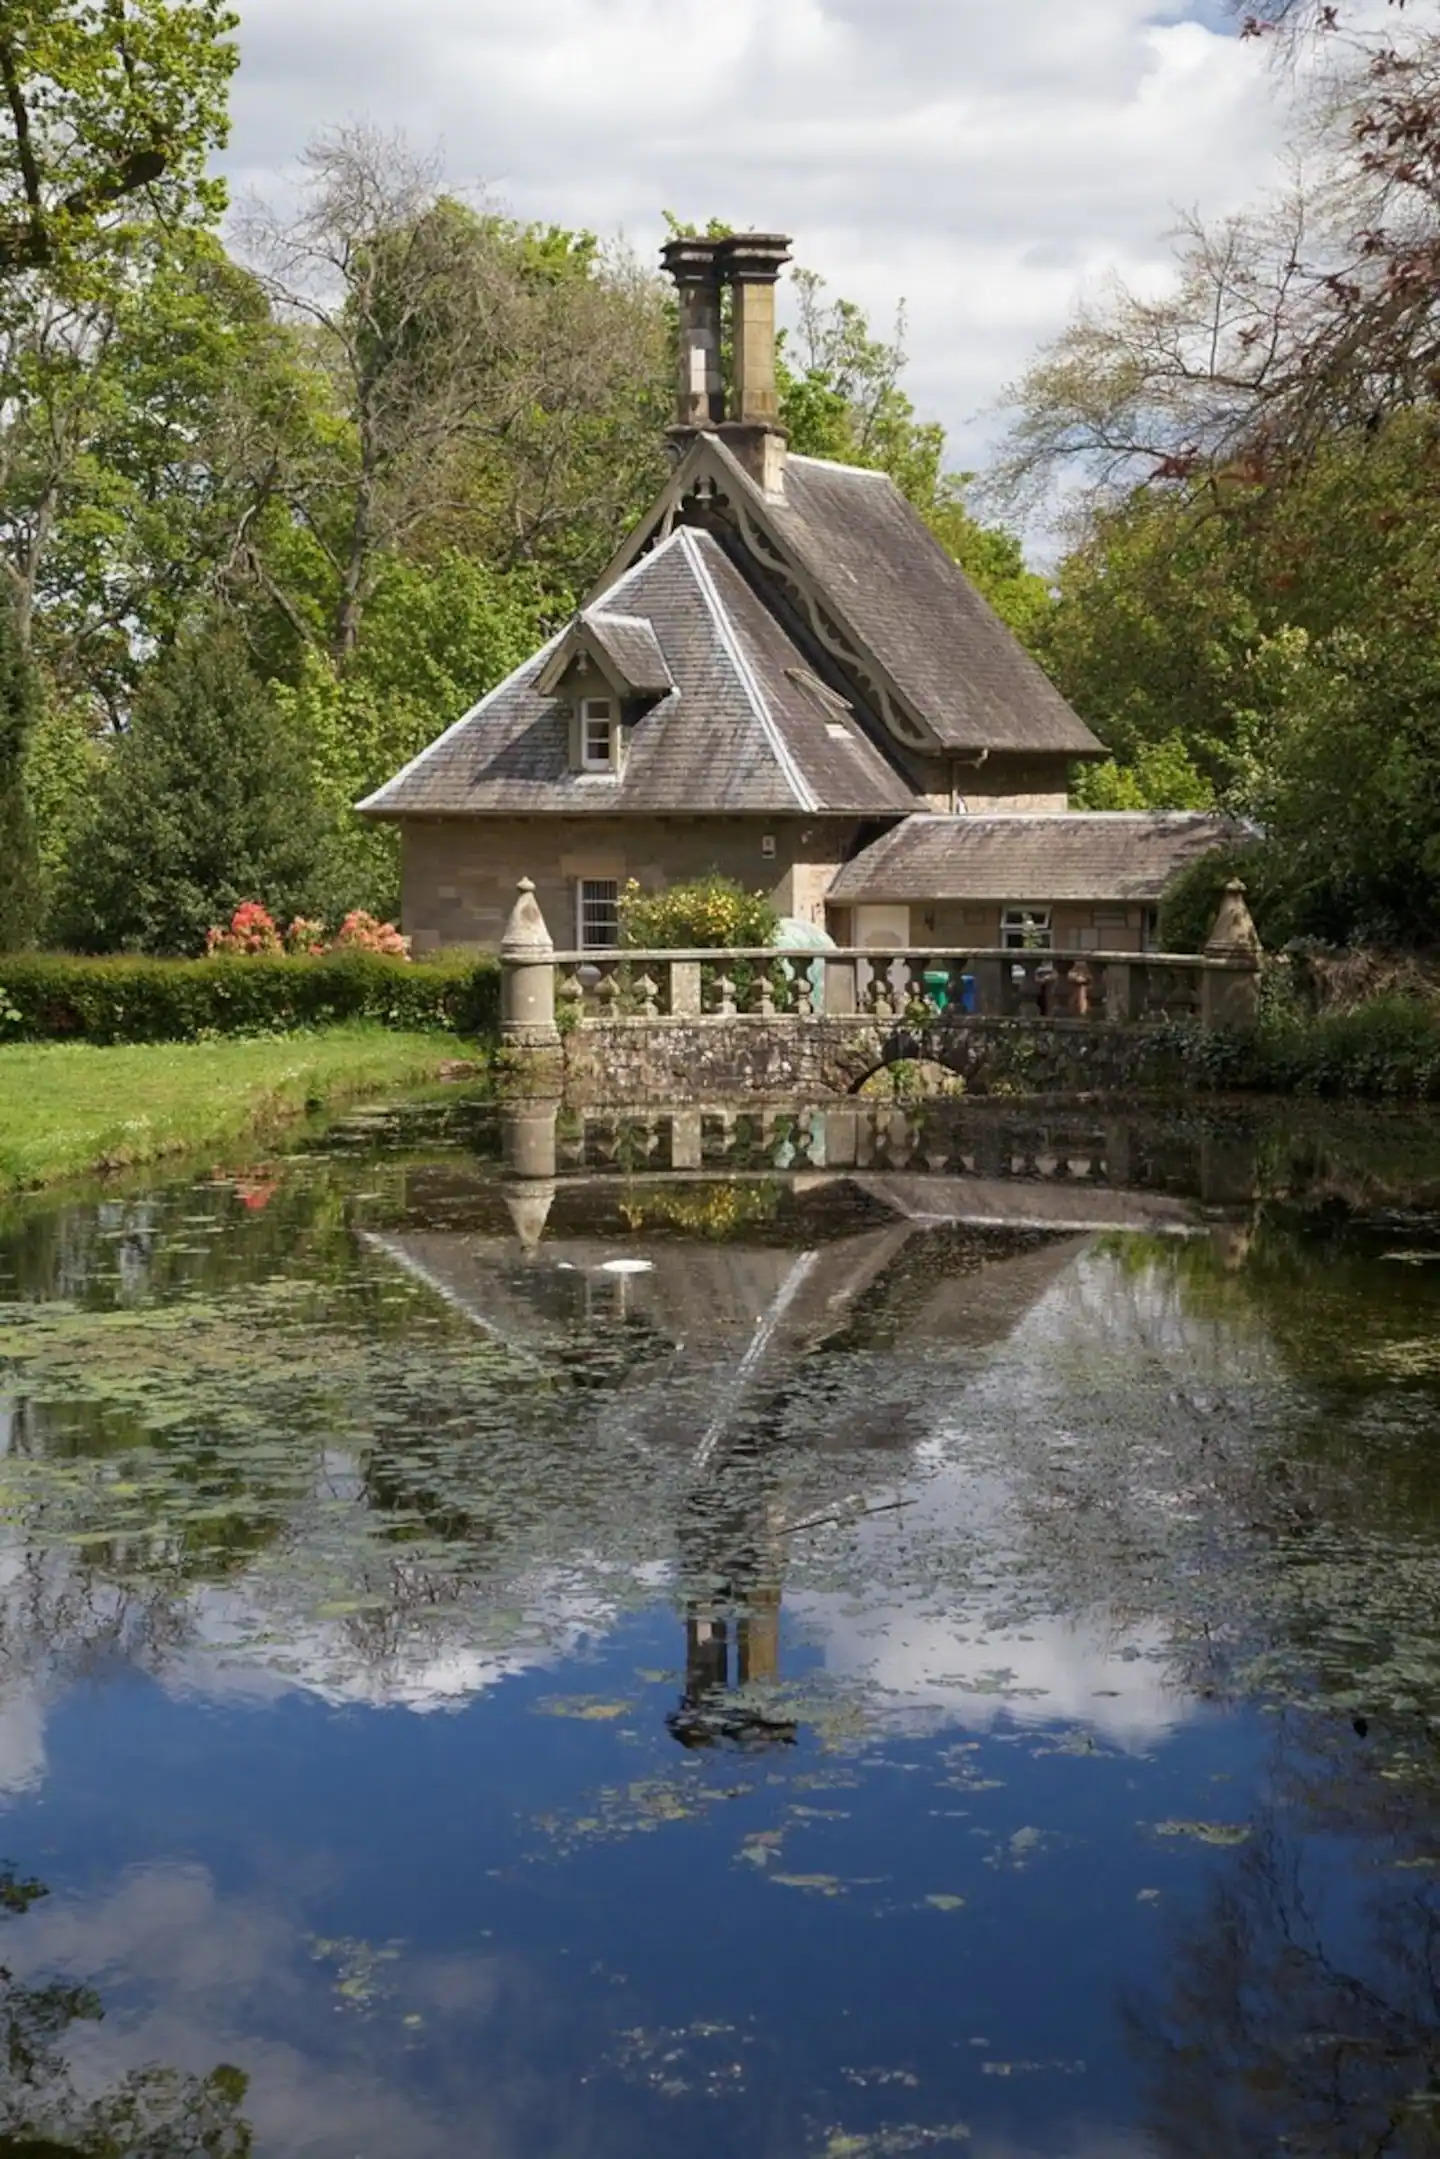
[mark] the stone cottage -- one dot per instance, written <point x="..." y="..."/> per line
<point x="781" y="675"/>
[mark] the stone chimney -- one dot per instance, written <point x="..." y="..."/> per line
<point x="700" y="391"/>
<point x="749" y="263"/>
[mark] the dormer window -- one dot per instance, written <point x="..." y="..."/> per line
<point x="597" y="734"/>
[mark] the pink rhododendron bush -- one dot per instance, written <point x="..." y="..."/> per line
<point x="253" y="930"/>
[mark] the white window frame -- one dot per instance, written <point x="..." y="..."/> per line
<point x="583" y="885"/>
<point x="597" y="712"/>
<point x="1027" y="929"/>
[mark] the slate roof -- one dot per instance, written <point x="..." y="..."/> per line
<point x="891" y="582"/>
<point x="742" y="730"/>
<point x="1128" y="855"/>
<point x="632" y="648"/>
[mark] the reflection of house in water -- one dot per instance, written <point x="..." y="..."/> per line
<point x="721" y="1326"/>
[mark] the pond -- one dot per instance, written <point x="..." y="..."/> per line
<point x="821" y="1632"/>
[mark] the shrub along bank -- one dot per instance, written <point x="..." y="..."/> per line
<point x="57" y="997"/>
<point x="1387" y="1049"/>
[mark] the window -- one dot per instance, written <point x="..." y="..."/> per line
<point x="597" y="913"/>
<point x="597" y="735"/>
<point x="1025" y="929"/>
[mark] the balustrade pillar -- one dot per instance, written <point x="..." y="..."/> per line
<point x="1230" y="993"/>
<point x="527" y="976"/>
<point x="685" y="989"/>
<point x="841" y="989"/>
<point x="989" y="986"/>
<point x="686" y="1135"/>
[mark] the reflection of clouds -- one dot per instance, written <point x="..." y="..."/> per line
<point x="932" y="1669"/>
<point x="22" y="1740"/>
<point x="1010" y="1434"/>
<point x="225" y="1974"/>
<point x="1010" y="1440"/>
<point x="1101" y="1310"/>
<point x="422" y="1663"/>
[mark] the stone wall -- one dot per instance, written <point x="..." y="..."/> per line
<point x="1077" y="925"/>
<point x="459" y="874"/>
<point x="640" y="1060"/>
<point x="1026" y="785"/>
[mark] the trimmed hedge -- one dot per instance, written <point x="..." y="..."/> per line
<point x="56" y="997"/>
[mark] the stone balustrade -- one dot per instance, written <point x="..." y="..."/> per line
<point x="916" y="985"/>
<point x="759" y="1017"/>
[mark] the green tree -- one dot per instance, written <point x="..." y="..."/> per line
<point x="63" y="768"/>
<point x="437" y="637"/>
<point x="206" y="800"/>
<point x="494" y="387"/>
<point x="1158" y="615"/>
<point x="1281" y="642"/>
<point x="19" y="701"/>
<point x="1162" y="776"/>
<point x="149" y="438"/>
<point x="107" y="105"/>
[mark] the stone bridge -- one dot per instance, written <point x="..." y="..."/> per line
<point x="695" y="1024"/>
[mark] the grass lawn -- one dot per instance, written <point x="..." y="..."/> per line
<point x="69" y="1107"/>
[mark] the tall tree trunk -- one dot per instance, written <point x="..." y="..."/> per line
<point x="19" y="886"/>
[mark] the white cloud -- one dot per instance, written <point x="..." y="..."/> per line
<point x="984" y="162"/>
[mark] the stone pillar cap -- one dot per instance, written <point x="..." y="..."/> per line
<point x="1233" y="934"/>
<point x="690" y="260"/>
<point x="526" y="934"/>
<point x="753" y="258"/>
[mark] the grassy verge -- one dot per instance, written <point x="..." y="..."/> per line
<point x="69" y="1107"/>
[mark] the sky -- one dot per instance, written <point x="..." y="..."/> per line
<point x="985" y="161"/>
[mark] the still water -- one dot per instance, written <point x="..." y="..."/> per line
<point x="842" y="1635"/>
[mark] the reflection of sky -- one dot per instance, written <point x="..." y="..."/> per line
<point x="279" y="1785"/>
<point x="919" y="1652"/>
<point x="927" y="1669"/>
<point x="932" y="1661"/>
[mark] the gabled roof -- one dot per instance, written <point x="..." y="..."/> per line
<point x="944" y="647"/>
<point x="1122" y="855"/>
<point x="957" y="674"/>
<point x="740" y="730"/>
<point x="624" y="647"/>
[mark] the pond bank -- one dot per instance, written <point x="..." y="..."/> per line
<point x="68" y="1108"/>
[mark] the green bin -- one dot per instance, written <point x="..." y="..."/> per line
<point x="937" y="986"/>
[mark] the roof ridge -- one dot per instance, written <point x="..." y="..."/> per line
<point x="795" y="779"/>
<point x="838" y="464"/>
<point x="610" y="614"/>
<point x="641" y="562"/>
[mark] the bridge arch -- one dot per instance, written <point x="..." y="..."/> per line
<point x="850" y="1063"/>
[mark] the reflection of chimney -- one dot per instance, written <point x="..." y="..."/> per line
<point x="749" y="263"/>
<point x="760" y="1635"/>
<point x="700" y="394"/>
